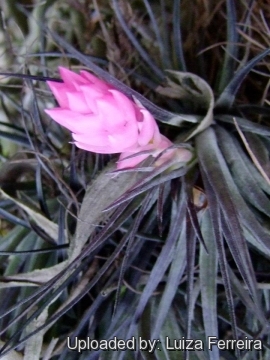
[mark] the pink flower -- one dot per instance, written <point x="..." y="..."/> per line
<point x="103" y="120"/>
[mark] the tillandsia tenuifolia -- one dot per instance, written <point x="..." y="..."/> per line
<point x="168" y="242"/>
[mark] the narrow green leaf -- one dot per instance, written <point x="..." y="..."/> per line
<point x="244" y="124"/>
<point x="46" y="225"/>
<point x="192" y="89"/>
<point x="13" y="219"/>
<point x="152" y="179"/>
<point x="246" y="182"/>
<point x="33" y="346"/>
<point x="259" y="150"/>
<point x="214" y="166"/>
<point x="177" y="36"/>
<point x="227" y="96"/>
<point x="231" y="46"/>
<point x="191" y="249"/>
<point x="17" y="139"/>
<point x="163" y="261"/>
<point x="208" y="282"/>
<point x="100" y="194"/>
<point x="177" y="269"/>
<point x="157" y="31"/>
<point x="145" y="56"/>
<point x="215" y="215"/>
<point x="219" y="171"/>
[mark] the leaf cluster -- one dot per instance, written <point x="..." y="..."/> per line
<point x="176" y="250"/>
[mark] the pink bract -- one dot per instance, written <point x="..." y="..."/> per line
<point x="103" y="120"/>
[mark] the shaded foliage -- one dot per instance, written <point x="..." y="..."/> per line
<point x="171" y="251"/>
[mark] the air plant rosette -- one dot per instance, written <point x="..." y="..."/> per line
<point x="168" y="240"/>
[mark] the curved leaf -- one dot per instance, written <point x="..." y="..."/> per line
<point x="193" y="89"/>
<point x="227" y="96"/>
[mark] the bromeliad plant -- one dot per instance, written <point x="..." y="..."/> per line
<point x="172" y="239"/>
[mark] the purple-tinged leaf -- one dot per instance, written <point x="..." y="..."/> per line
<point x="208" y="282"/>
<point x="227" y="96"/>
<point x="237" y="161"/>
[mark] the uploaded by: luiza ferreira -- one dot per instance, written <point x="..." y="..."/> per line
<point x="151" y="346"/>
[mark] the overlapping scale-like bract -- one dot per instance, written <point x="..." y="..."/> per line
<point x="103" y="120"/>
